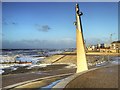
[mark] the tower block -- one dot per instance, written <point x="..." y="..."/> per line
<point x="80" y="46"/>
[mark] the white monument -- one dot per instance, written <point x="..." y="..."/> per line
<point x="80" y="46"/>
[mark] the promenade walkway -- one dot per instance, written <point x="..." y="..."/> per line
<point x="106" y="77"/>
<point x="103" y="77"/>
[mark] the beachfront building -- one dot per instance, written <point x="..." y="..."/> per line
<point x="96" y="48"/>
<point x="92" y="48"/>
<point x="104" y="48"/>
<point x="115" y="46"/>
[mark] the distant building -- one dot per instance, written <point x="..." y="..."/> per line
<point x="115" y="46"/>
<point x="104" y="48"/>
<point x="92" y="48"/>
<point x="98" y="46"/>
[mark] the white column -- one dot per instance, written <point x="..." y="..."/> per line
<point x="81" y="54"/>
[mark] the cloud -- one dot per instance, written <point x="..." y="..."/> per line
<point x="6" y="22"/>
<point x="44" y="28"/>
<point x="14" y="23"/>
<point x="63" y="43"/>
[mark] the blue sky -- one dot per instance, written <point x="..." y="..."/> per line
<point x="50" y="25"/>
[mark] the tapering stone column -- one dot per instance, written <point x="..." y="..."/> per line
<point x="80" y="46"/>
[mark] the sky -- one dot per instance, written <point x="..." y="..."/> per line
<point x="50" y="24"/>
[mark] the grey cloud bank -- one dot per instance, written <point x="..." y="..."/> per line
<point x="36" y="44"/>
<point x="28" y="44"/>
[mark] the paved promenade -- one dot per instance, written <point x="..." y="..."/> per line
<point x="104" y="77"/>
<point x="18" y="78"/>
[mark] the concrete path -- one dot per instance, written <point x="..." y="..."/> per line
<point x="30" y="82"/>
<point x="17" y="78"/>
<point x="103" y="77"/>
<point x="106" y="77"/>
